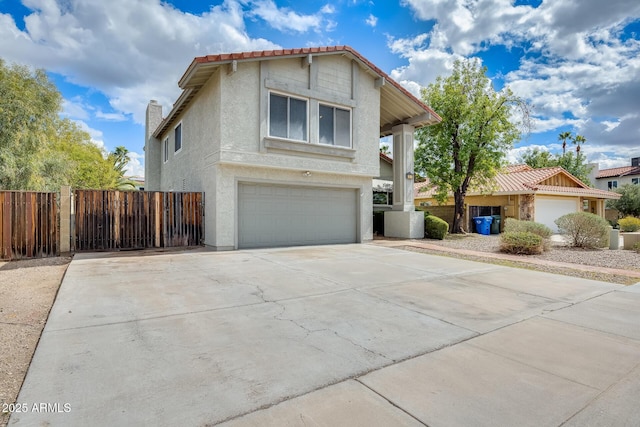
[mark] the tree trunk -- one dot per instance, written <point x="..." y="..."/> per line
<point x="458" y="211"/>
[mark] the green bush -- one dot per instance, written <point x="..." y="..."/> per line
<point x="513" y="225"/>
<point x="629" y="223"/>
<point x="636" y="247"/>
<point x="585" y="230"/>
<point x="434" y="227"/>
<point x="521" y="242"/>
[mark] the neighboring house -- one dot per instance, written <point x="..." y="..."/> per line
<point x="521" y="192"/>
<point x="614" y="178"/>
<point x="284" y="144"/>
<point x="383" y="185"/>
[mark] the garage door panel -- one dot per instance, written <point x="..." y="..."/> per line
<point x="547" y="210"/>
<point x="276" y="215"/>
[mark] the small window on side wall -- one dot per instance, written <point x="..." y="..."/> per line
<point x="177" y="138"/>
<point x="335" y="126"/>
<point x="165" y="150"/>
<point x="635" y="181"/>
<point x="612" y="185"/>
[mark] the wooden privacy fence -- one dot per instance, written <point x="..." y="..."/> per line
<point x="28" y="225"/>
<point x="116" y="220"/>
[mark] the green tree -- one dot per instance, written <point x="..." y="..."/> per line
<point x="538" y="158"/>
<point x="471" y="142"/>
<point x="629" y="203"/>
<point x="38" y="149"/>
<point x="384" y="149"/>
<point x="576" y="164"/>
<point x="29" y="106"/>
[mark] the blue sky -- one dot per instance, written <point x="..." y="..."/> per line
<point x="576" y="61"/>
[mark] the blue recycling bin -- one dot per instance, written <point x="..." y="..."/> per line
<point x="483" y="224"/>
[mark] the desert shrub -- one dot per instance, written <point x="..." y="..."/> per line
<point x="584" y="229"/>
<point x="434" y="227"/>
<point x="629" y="223"/>
<point x="636" y="247"/>
<point x="521" y="242"/>
<point x="513" y="225"/>
<point x="541" y="230"/>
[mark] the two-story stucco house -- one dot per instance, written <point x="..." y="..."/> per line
<point x="614" y="178"/>
<point x="285" y="144"/>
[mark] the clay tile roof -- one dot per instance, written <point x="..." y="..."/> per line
<point x="386" y="158"/>
<point x="307" y="51"/>
<point x="621" y="171"/>
<point x="523" y="179"/>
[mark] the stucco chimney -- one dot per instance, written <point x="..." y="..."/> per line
<point x="154" y="117"/>
<point x="152" y="149"/>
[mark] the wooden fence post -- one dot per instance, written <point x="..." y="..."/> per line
<point x="65" y="219"/>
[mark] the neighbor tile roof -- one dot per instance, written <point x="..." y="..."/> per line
<point x="522" y="179"/>
<point x="622" y="171"/>
<point x="386" y="158"/>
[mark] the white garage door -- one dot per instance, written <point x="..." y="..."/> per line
<point x="548" y="209"/>
<point x="278" y="215"/>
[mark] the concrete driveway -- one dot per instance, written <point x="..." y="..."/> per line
<point x="331" y="335"/>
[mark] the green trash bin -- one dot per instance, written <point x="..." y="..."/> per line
<point x="495" y="225"/>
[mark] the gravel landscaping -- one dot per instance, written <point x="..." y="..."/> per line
<point x="27" y="291"/>
<point x="560" y="252"/>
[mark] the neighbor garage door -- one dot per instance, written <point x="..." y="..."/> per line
<point x="548" y="209"/>
<point x="278" y="215"/>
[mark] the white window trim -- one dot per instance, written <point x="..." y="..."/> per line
<point x="342" y="107"/>
<point x="181" y="137"/>
<point x="165" y="150"/>
<point x="288" y="95"/>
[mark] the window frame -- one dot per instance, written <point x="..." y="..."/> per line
<point x="165" y="150"/>
<point x="635" y="181"/>
<point x="175" y="140"/>
<point x="335" y="107"/>
<point x="288" y="96"/>
<point x="612" y="184"/>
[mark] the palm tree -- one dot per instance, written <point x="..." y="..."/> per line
<point x="578" y="139"/>
<point x="563" y="137"/>
<point x="120" y="157"/>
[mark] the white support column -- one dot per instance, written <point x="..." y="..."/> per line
<point x="403" y="164"/>
<point x="403" y="220"/>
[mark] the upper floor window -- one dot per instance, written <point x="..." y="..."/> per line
<point x="165" y="149"/>
<point x="635" y="180"/>
<point x="178" y="138"/>
<point x="287" y="117"/>
<point x="612" y="184"/>
<point x="335" y="126"/>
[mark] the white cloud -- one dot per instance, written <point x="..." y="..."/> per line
<point x="576" y="70"/>
<point x="135" y="166"/>
<point x="372" y="21"/>
<point x="110" y="117"/>
<point x="75" y="108"/>
<point x="285" y="19"/>
<point x="129" y="51"/>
